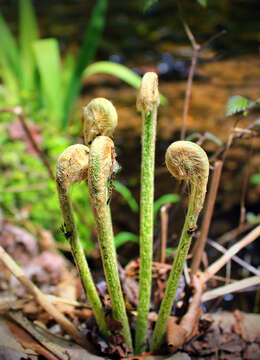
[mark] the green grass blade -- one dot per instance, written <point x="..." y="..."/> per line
<point x="120" y="71"/>
<point x="168" y="198"/>
<point x="9" y="48"/>
<point x="48" y="62"/>
<point x="28" y="32"/>
<point x="127" y="195"/>
<point x="124" y="237"/>
<point x="68" y="66"/>
<point x="10" y="91"/>
<point x="91" y="41"/>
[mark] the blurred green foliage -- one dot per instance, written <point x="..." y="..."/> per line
<point x="25" y="184"/>
<point x="35" y="77"/>
<point x="45" y="84"/>
<point x="23" y="64"/>
<point x="167" y="198"/>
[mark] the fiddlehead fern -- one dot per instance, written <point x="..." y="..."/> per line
<point x="185" y="161"/>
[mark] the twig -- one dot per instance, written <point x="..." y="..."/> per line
<point x="234" y="233"/>
<point x="43" y="301"/>
<point x="201" y="242"/>
<point x="237" y="259"/>
<point x="221" y="278"/>
<point x="60" y="300"/>
<point x="228" y="271"/>
<point x="227" y="289"/>
<point x="164" y="232"/>
<point x="218" y="264"/>
<point x="223" y="150"/>
<point x="17" y="304"/>
<point x="194" y="60"/>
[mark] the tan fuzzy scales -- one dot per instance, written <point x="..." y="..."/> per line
<point x="100" y="118"/>
<point x="148" y="95"/>
<point x="72" y="165"/>
<point x="187" y="161"/>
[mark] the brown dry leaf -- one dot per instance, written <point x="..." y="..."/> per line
<point x="252" y="352"/>
<point x="28" y="342"/>
<point x="112" y="324"/>
<point x="190" y="321"/>
<point x="9" y="347"/>
<point x="225" y="320"/>
<point x="20" y="244"/>
<point x="130" y="287"/>
<point x="208" y="345"/>
<point x="231" y="343"/>
<point x="248" y="325"/>
<point x="178" y="334"/>
<point x="60" y="347"/>
<point x="118" y="347"/>
<point x="229" y="335"/>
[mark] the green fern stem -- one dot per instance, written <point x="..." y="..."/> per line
<point x="174" y="278"/>
<point x="148" y="106"/>
<point x="185" y="160"/>
<point x="77" y="155"/>
<point x="100" y="169"/>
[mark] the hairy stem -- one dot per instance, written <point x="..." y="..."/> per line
<point x="65" y="176"/>
<point x="148" y="104"/>
<point x="188" y="161"/>
<point x="100" y="169"/>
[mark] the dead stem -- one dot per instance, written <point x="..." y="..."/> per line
<point x="241" y="135"/>
<point x="196" y="49"/>
<point x="227" y="289"/>
<point x="233" y="234"/>
<point x="164" y="232"/>
<point x="218" y="264"/>
<point x="235" y="258"/>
